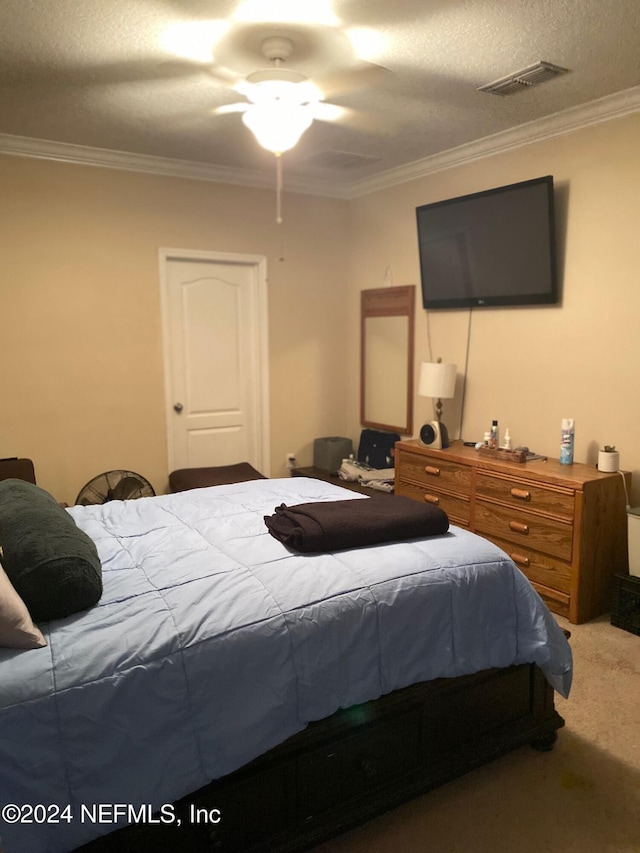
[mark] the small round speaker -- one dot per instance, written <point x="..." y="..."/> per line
<point x="435" y="435"/>
<point x="428" y="433"/>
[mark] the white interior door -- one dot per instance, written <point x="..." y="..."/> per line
<point x="215" y="345"/>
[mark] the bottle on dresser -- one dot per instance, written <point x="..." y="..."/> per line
<point x="494" y="441"/>
<point x="567" y="438"/>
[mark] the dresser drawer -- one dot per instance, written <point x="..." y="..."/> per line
<point x="456" y="508"/>
<point x="538" y="567"/>
<point x="441" y="474"/>
<point x="526" y="495"/>
<point x="557" y="602"/>
<point x="534" y="532"/>
<point x="361" y="762"/>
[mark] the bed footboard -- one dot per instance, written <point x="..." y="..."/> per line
<point x="343" y="771"/>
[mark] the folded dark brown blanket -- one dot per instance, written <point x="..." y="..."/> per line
<point x="336" y="525"/>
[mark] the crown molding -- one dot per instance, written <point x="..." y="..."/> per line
<point x="64" y="152"/>
<point x="567" y="121"/>
<point x="604" y="109"/>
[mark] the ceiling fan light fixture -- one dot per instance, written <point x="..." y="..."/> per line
<point x="277" y="126"/>
<point x="270" y="91"/>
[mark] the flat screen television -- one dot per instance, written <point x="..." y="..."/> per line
<point x="495" y="247"/>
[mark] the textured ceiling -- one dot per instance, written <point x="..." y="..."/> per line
<point x="136" y="76"/>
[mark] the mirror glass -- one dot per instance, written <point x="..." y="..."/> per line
<point x="386" y="374"/>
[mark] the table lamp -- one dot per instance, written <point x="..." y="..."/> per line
<point x="437" y="380"/>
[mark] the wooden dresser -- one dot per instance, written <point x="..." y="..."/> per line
<point x="565" y="526"/>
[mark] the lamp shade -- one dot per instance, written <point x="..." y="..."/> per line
<point x="437" y="380"/>
<point x="278" y="126"/>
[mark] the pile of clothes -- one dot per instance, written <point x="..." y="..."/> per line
<point x="381" y="479"/>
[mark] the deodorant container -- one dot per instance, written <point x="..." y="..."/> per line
<point x="567" y="437"/>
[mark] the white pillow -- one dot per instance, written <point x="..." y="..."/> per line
<point x="17" y="630"/>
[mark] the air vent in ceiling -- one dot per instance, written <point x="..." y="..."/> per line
<point x="333" y="159"/>
<point x="519" y="80"/>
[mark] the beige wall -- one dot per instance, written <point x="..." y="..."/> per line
<point x="81" y="371"/>
<point x="531" y="367"/>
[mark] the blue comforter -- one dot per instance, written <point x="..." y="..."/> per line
<point x="212" y="643"/>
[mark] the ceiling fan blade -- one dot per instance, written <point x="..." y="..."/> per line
<point x="365" y="76"/>
<point x="104" y="74"/>
<point x="378" y="124"/>
<point x="184" y="67"/>
<point x="223" y="76"/>
<point x="177" y="68"/>
<point x="230" y="108"/>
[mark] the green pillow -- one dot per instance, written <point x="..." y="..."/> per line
<point x="53" y="565"/>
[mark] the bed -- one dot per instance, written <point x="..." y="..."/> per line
<point x="227" y="693"/>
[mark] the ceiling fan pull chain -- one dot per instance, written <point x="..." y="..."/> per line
<point x="279" y="203"/>
<point x="279" y="189"/>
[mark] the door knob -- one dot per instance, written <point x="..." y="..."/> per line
<point x="178" y="407"/>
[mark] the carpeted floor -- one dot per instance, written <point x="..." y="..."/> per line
<point x="583" y="797"/>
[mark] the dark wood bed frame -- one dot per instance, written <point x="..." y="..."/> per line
<point x="342" y="771"/>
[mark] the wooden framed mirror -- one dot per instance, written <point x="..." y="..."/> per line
<point x="386" y="358"/>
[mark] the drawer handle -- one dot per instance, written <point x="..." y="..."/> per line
<point x="521" y="494"/>
<point x="432" y="470"/>
<point x="520" y="559"/>
<point x="432" y="499"/>
<point x="518" y="527"/>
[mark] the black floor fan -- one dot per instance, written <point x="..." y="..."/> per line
<point x="115" y="486"/>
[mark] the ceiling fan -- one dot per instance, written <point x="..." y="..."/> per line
<point x="281" y="103"/>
